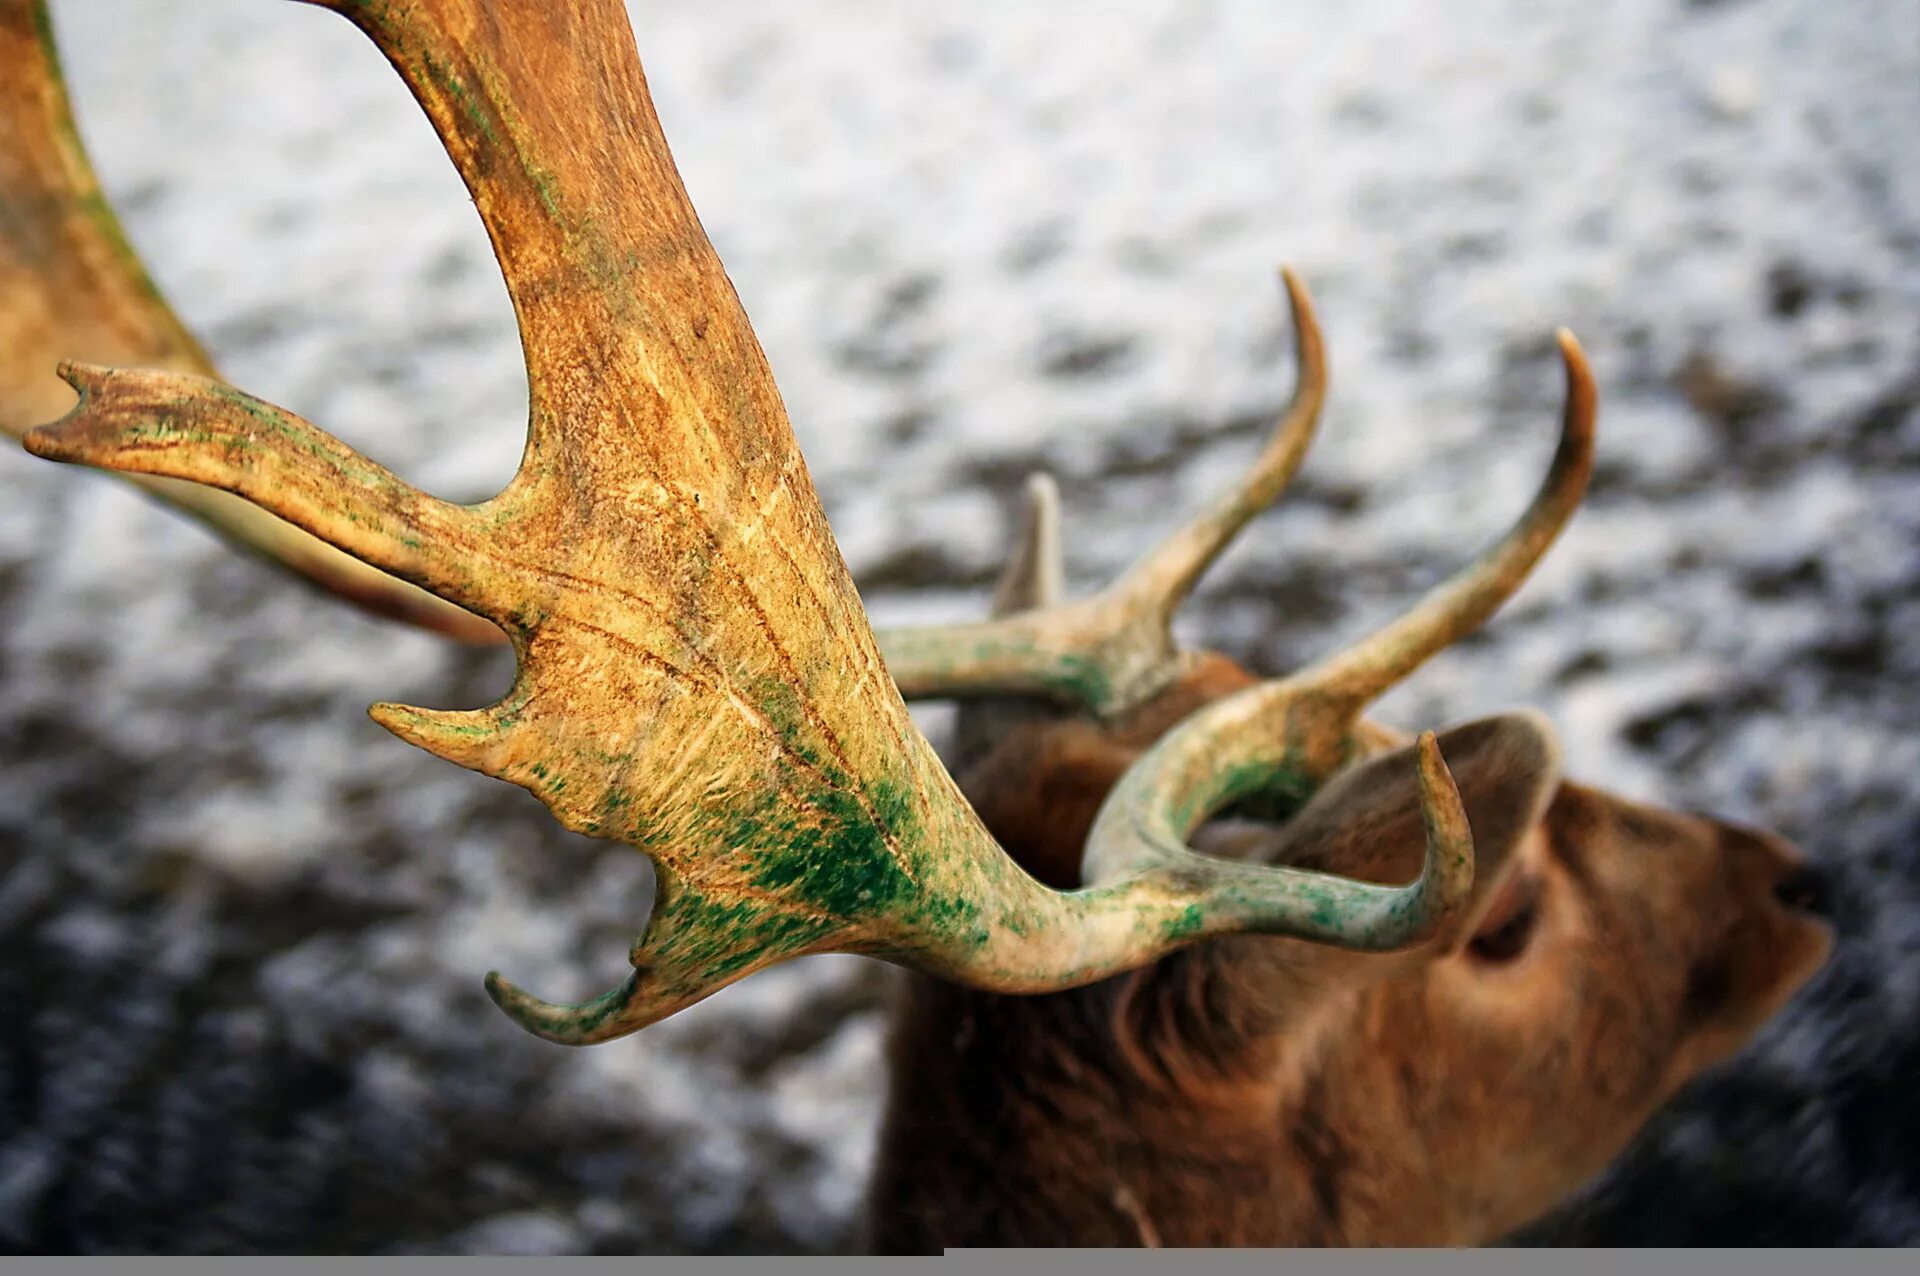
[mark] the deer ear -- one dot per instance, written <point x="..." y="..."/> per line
<point x="1366" y="823"/>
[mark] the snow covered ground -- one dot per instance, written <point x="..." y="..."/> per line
<point x="242" y="929"/>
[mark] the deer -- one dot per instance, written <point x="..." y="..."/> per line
<point x="1190" y="956"/>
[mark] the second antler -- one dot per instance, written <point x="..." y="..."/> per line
<point x="71" y="287"/>
<point x="696" y="675"/>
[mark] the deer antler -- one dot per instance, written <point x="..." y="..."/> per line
<point x="1292" y="733"/>
<point x="696" y="676"/>
<point x="1110" y="652"/>
<point x="70" y="285"/>
<point x="1113" y="650"/>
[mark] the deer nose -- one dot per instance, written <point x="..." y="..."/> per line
<point x="1807" y="888"/>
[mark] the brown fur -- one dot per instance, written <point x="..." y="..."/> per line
<point x="1267" y="1092"/>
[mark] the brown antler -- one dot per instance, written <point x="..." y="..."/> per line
<point x="1291" y="734"/>
<point x="71" y="286"/>
<point x="696" y="676"/>
<point x="1112" y="651"/>
<point x="1115" y="649"/>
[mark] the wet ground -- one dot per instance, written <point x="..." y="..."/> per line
<point x="242" y="929"/>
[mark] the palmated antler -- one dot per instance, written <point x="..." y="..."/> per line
<point x="696" y="676"/>
<point x="71" y="287"/>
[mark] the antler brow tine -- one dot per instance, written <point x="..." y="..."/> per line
<point x="1035" y="575"/>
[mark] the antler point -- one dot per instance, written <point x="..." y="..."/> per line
<point x="582" y="1024"/>
<point x="1448" y="871"/>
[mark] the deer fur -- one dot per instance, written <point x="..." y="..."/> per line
<point x="1265" y="1091"/>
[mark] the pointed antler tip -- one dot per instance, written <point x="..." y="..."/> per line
<point x="612" y="1014"/>
<point x="1582" y="399"/>
<point x="47" y="443"/>
<point x="1306" y="320"/>
<point x="457" y="735"/>
<point x="1449" y="867"/>
<point x="394" y="717"/>
<point x="1040" y="499"/>
<point x="1580" y="379"/>
<point x="464" y="737"/>
<point x="1310" y="347"/>
<point x="83" y="376"/>
<point x="536" y="1014"/>
<point x="1301" y="300"/>
<point x="1436" y="781"/>
<point x="540" y="1017"/>
<point x="57" y="440"/>
<point x="505" y="993"/>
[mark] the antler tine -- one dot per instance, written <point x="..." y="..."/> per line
<point x="1163" y="579"/>
<point x="1283" y="738"/>
<point x="1340" y="686"/>
<point x="1035" y="575"/>
<point x="1114" y="649"/>
<point x="71" y="286"/>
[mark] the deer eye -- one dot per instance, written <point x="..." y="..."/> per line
<point x="1510" y="924"/>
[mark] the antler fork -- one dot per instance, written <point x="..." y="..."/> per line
<point x="696" y="676"/>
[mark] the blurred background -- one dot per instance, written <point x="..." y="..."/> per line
<point x="242" y="929"/>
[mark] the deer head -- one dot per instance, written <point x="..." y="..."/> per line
<point x="1275" y="1091"/>
<point x="696" y="677"/>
